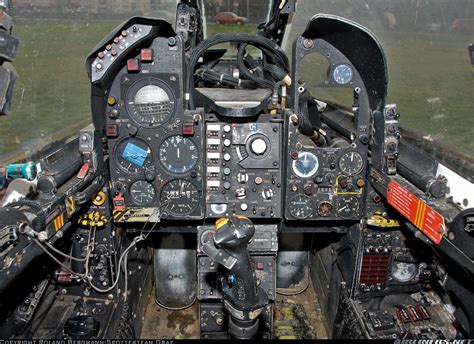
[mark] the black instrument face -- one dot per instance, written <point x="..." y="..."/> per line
<point x="179" y="197"/>
<point x="351" y="163"/>
<point x="347" y="207"/>
<point x="178" y="154"/>
<point x="133" y="155"/>
<point x="301" y="207"/>
<point x="142" y="192"/>
<point x="150" y="102"/>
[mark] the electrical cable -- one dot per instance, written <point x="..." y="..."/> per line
<point x="45" y="250"/>
<point x="54" y="249"/>
<point x="266" y="45"/>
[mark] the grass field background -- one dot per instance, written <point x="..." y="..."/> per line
<point x="430" y="79"/>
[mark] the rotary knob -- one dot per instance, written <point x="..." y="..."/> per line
<point x="258" y="146"/>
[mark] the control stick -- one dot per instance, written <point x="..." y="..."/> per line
<point x="243" y="299"/>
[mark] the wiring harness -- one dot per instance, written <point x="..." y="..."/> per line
<point x="276" y="64"/>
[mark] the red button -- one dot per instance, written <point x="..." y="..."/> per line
<point x="133" y="65"/>
<point x="112" y="130"/>
<point x="188" y="128"/>
<point x="147" y="55"/>
<point x="260" y="265"/>
<point x="83" y="171"/>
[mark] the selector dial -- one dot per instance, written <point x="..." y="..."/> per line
<point x="403" y="272"/>
<point x="258" y="146"/>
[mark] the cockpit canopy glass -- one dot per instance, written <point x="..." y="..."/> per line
<point x="426" y="42"/>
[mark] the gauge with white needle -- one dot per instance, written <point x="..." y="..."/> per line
<point x="179" y="197"/>
<point x="306" y="165"/>
<point x="178" y="154"/>
<point x="351" y="163"/>
<point x="142" y="192"/>
<point x="348" y="207"/>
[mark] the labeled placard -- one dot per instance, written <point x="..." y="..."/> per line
<point x="426" y="219"/>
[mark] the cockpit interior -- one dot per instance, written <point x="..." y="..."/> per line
<point x="214" y="195"/>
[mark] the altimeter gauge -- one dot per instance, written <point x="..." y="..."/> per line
<point x="179" y="197"/>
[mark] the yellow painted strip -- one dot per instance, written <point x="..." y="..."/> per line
<point x="418" y="212"/>
<point x="221" y="222"/>
<point x="423" y="214"/>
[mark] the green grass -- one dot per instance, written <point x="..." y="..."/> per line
<point x="52" y="92"/>
<point x="430" y="79"/>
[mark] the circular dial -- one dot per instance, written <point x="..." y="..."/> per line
<point x="348" y="207"/>
<point x="258" y="146"/>
<point x="179" y="197"/>
<point x="150" y="102"/>
<point x="301" y="207"/>
<point x="306" y="165"/>
<point x="403" y="272"/>
<point x="343" y="74"/>
<point x="142" y="192"/>
<point x="325" y="209"/>
<point x="351" y="163"/>
<point x="178" y="154"/>
<point x="133" y="155"/>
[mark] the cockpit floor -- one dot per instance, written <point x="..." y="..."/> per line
<point x="297" y="316"/>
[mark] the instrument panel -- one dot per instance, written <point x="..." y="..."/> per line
<point x="156" y="146"/>
<point x="323" y="183"/>
<point x="171" y="164"/>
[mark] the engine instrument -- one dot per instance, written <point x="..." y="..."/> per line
<point x="301" y="207"/>
<point x="351" y="163"/>
<point x="348" y="207"/>
<point x="142" y="192"/>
